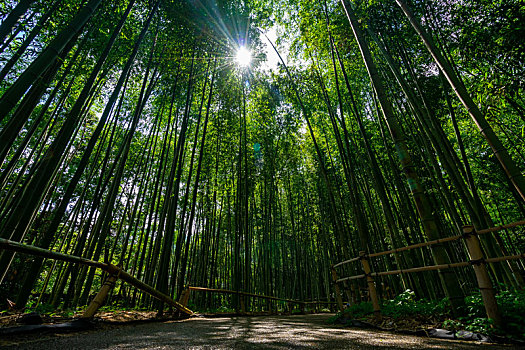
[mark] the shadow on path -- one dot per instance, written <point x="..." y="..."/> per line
<point x="269" y="332"/>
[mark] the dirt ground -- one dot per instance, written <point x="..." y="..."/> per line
<point x="266" y="332"/>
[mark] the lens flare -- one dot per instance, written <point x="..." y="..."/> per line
<point x="243" y="57"/>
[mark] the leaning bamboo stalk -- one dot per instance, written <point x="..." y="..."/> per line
<point x="153" y="292"/>
<point x="500" y="152"/>
<point x="111" y="269"/>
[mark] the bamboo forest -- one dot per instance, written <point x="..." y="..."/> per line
<point x="329" y="161"/>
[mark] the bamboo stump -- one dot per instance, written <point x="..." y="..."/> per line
<point x="99" y="299"/>
<point x="371" y="285"/>
<point x="488" y="294"/>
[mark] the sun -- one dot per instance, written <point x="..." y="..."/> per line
<point x="243" y="57"/>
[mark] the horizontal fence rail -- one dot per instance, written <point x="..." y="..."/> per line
<point x="477" y="261"/>
<point x="111" y="269"/>
<point x="186" y="295"/>
<point x="434" y="242"/>
<point x="227" y="291"/>
<point x="116" y="273"/>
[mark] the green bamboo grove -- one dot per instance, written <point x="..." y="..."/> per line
<point x="130" y="134"/>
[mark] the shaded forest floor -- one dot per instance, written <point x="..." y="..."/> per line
<point x="266" y="332"/>
<point x="16" y="319"/>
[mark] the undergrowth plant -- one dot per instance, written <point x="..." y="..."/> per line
<point x="511" y="304"/>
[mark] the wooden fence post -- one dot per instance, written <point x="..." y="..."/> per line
<point x="337" y="290"/>
<point x="243" y="305"/>
<point x="488" y="294"/>
<point x="354" y="295"/>
<point x="185" y="297"/>
<point x="97" y="302"/>
<point x="371" y="285"/>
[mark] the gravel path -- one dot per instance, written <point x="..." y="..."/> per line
<point x="269" y="332"/>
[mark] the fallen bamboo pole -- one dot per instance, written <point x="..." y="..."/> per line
<point x="109" y="268"/>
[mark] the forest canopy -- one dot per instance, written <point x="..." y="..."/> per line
<point x="132" y="133"/>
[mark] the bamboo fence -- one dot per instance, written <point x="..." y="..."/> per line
<point x="111" y="269"/>
<point x="477" y="261"/>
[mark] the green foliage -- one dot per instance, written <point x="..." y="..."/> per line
<point x="405" y="304"/>
<point x="44" y="308"/>
<point x="512" y="306"/>
<point x="359" y="310"/>
<point x="453" y="325"/>
<point x="264" y="216"/>
<point x="333" y="319"/>
<point x="510" y="302"/>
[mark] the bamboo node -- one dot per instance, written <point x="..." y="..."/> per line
<point x="477" y="262"/>
<point x="468" y="231"/>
